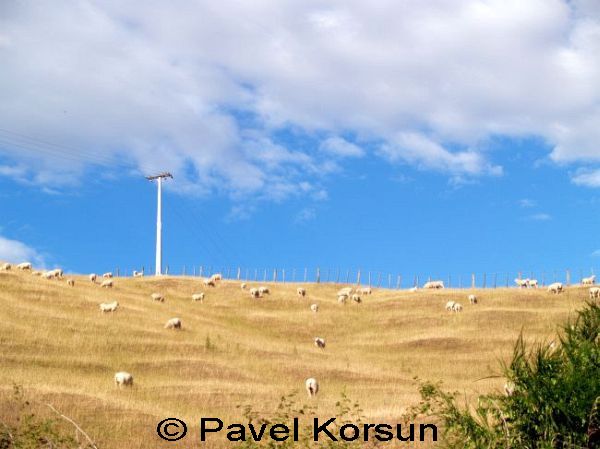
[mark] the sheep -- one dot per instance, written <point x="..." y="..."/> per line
<point x="450" y="305"/>
<point x="533" y="283"/>
<point x="255" y="293"/>
<point x="109" y="306"/>
<point x="93" y="277"/>
<point x="345" y="291"/>
<point x="5" y="267"/>
<point x="589" y="281"/>
<point x="173" y="323"/>
<point x="555" y="288"/>
<point x="24" y="266"/>
<point x="314" y="308"/>
<point x="138" y="274"/>
<point x="198" y="297"/>
<point x="243" y="286"/>
<point x="36" y="273"/>
<point x="434" y="284"/>
<point x="365" y="290"/>
<point x="209" y="283"/>
<point x="107" y="275"/>
<point x="123" y="379"/>
<point x="217" y="277"/>
<point x="312" y="387"/>
<point x="70" y="282"/>
<point x="58" y="273"/>
<point x="472" y="299"/>
<point x="522" y="283"/>
<point x="107" y="283"/>
<point x="356" y="298"/>
<point x="157" y="297"/>
<point x="342" y="299"/>
<point x="594" y="292"/>
<point x="413" y="289"/>
<point x="320" y="342"/>
<point x="262" y="290"/>
<point x="301" y="291"/>
<point x="457" y="307"/>
<point x="48" y="275"/>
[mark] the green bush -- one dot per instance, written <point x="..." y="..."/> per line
<point x="552" y="404"/>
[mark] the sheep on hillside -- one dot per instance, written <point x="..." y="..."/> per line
<point x="158" y="297"/>
<point x="356" y="298"/>
<point x="209" y="283"/>
<point x="108" y="283"/>
<point x="312" y="387"/>
<point x="314" y="307"/>
<point x="138" y="274"/>
<point x="24" y="266"/>
<point x="5" y="266"/>
<point x="263" y="290"/>
<point x="413" y="289"/>
<point x="345" y="291"/>
<point x="123" y="379"/>
<point x="301" y="291"/>
<point x="70" y="282"/>
<point x="255" y="293"/>
<point x="533" y="283"/>
<point x="589" y="281"/>
<point x="173" y="323"/>
<point x="522" y="283"/>
<point x="472" y="299"/>
<point x="457" y="307"/>
<point x="364" y="290"/>
<point x="198" y="297"/>
<point x="93" y="277"/>
<point x="109" y="306"/>
<point x="449" y="305"/>
<point x="320" y="342"/>
<point x="342" y="299"/>
<point x="107" y="275"/>
<point x="594" y="292"/>
<point x="555" y="288"/>
<point x="434" y="284"/>
<point x="217" y="277"/>
<point x="243" y="286"/>
<point x="48" y="274"/>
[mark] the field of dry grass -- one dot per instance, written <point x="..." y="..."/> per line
<point x="235" y="350"/>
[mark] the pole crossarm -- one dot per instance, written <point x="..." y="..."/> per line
<point x="160" y="175"/>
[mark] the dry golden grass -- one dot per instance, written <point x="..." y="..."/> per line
<point x="234" y="350"/>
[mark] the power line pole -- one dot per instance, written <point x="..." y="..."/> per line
<point x="159" y="179"/>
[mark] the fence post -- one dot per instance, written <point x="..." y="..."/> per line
<point x="318" y="275"/>
<point x="417" y="280"/>
<point x="228" y="272"/>
<point x="265" y="275"/>
<point x="274" y="274"/>
<point x="337" y="276"/>
<point x="327" y="279"/>
<point x="389" y="281"/>
<point x="495" y="280"/>
<point x="167" y="270"/>
<point x="347" y="276"/>
<point x="239" y="273"/>
<point x="484" y="280"/>
<point x="379" y="280"/>
<point x="305" y="273"/>
<point x="255" y="274"/>
<point x="568" y="277"/>
<point x="369" y="278"/>
<point x="283" y="275"/>
<point x="399" y="282"/>
<point x="472" y="280"/>
<point x="358" y="277"/>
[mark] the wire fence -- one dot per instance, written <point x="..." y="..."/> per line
<point x="377" y="279"/>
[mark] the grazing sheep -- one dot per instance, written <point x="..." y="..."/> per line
<point x="522" y="283"/>
<point x="342" y="299"/>
<point x="48" y="274"/>
<point x="434" y="284"/>
<point x="107" y="275"/>
<point x="365" y="290"/>
<point x="314" y="307"/>
<point x="217" y="277"/>
<point x="320" y="342"/>
<point x="5" y="267"/>
<point x="589" y="281"/>
<point x="472" y="299"/>
<point x="533" y="283"/>
<point x="457" y="307"/>
<point x="255" y="293"/>
<point x="594" y="292"/>
<point x="209" y="283"/>
<point x="109" y="306"/>
<point x="198" y="297"/>
<point x="449" y="305"/>
<point x="509" y="388"/>
<point x="36" y="273"/>
<point x="24" y="266"/>
<point x="138" y="274"/>
<point x="413" y="289"/>
<point x="93" y="277"/>
<point x="312" y="387"/>
<point x="356" y="298"/>
<point x="157" y="297"/>
<point x="345" y="291"/>
<point x="70" y="282"/>
<point x="173" y="323"/>
<point x="243" y="286"/>
<point x="123" y="379"/>
<point x="555" y="288"/>
<point x="58" y="273"/>
<point x="301" y="291"/>
<point x="264" y="290"/>
<point x="107" y="283"/>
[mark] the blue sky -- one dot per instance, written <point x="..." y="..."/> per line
<point x="412" y="139"/>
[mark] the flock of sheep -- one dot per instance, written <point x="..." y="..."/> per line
<point x="125" y="379"/>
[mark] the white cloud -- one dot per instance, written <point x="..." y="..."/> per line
<point x="595" y="253"/>
<point x="305" y="215"/>
<point x="542" y="216"/>
<point x="588" y="178"/>
<point x="15" y="251"/>
<point x="201" y="90"/>
<point x="526" y="203"/>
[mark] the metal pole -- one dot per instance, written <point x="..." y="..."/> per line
<point x="158" y="260"/>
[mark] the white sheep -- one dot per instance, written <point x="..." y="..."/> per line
<point x="345" y="291"/>
<point x="5" y="266"/>
<point x="217" y="277"/>
<point x="209" y="283"/>
<point x="301" y="291"/>
<point x="243" y="286"/>
<point x="109" y="306"/>
<point x="58" y="273"/>
<point x="264" y="290"/>
<point x="48" y="274"/>
<point x="107" y="275"/>
<point x="594" y="292"/>
<point x="457" y="307"/>
<point x="356" y="298"/>
<point x="138" y="274"/>
<point x="173" y="323"/>
<point x="364" y="290"/>
<point x="93" y="277"/>
<point x="312" y="387"/>
<point x="70" y="282"/>
<point x="255" y="293"/>
<point x="434" y="284"/>
<point x="342" y="299"/>
<point x="24" y="266"/>
<point x="449" y="305"/>
<point x="533" y="283"/>
<point x="589" y="281"/>
<point x="36" y="273"/>
<point x="314" y="307"/>
<point x="413" y="289"/>
<point x="555" y="288"/>
<point x="123" y="379"/>
<point x="472" y="299"/>
<point x="157" y="297"/>
<point x="198" y="297"/>
<point x="522" y="283"/>
<point x="108" y="283"/>
<point x="320" y="342"/>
